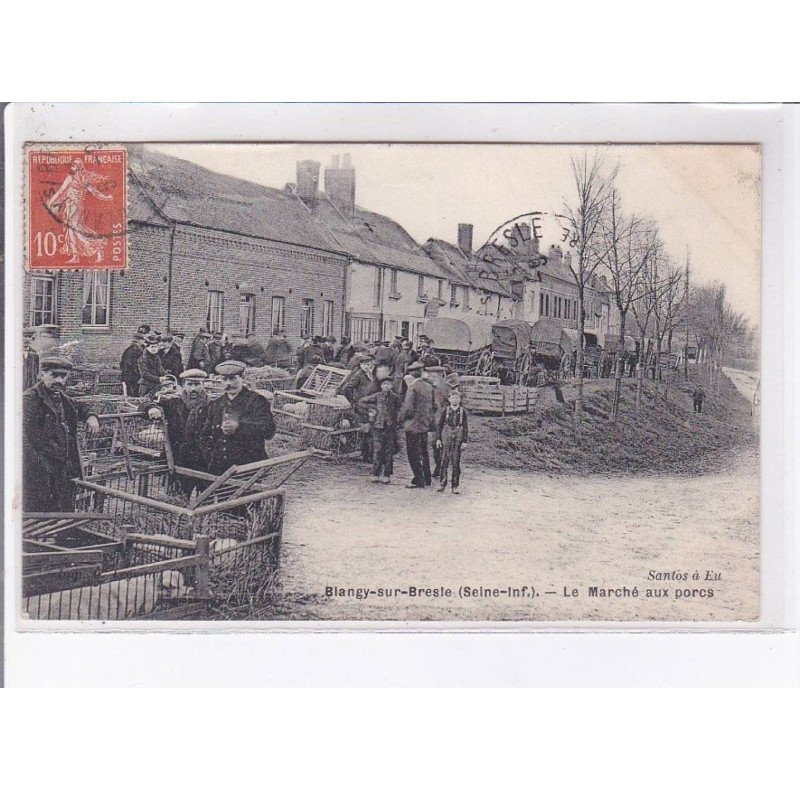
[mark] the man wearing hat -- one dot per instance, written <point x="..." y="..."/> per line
<point x="238" y="423"/>
<point x="170" y="355"/>
<point x="129" y="363"/>
<point x="215" y="355"/>
<point x="185" y="415"/>
<point x="50" y="439"/>
<point x="384" y="354"/>
<point x="417" y="414"/>
<point x="150" y="367"/>
<point x="426" y="354"/>
<point x="345" y="352"/>
<point x="329" y="349"/>
<point x="199" y="357"/>
<point x="30" y="359"/>
<point x="357" y="385"/>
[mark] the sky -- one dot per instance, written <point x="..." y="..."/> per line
<point x="706" y="198"/>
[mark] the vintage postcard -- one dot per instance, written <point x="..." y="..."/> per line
<point x="389" y="382"/>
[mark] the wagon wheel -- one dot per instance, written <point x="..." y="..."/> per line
<point x="485" y="365"/>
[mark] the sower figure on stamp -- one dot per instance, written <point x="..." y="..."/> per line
<point x="453" y="432"/>
<point x="384" y="408"/>
<point x="185" y="415"/>
<point x="50" y="440"/>
<point x="417" y="416"/>
<point x="30" y="359"/>
<point x="239" y="422"/>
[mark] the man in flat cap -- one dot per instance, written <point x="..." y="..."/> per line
<point x="170" y="355"/>
<point x="50" y="439"/>
<point x="417" y="414"/>
<point x="238" y="423"/>
<point x="185" y="415"/>
<point x="30" y="359"/>
<point x="150" y="367"/>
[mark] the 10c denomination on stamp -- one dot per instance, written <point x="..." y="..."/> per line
<point x="77" y="209"/>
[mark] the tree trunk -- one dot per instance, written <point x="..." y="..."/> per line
<point x="620" y="366"/>
<point x="657" y="368"/>
<point x="578" y="419"/>
<point x="642" y="367"/>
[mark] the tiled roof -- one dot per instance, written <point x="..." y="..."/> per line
<point x="466" y="271"/>
<point x="187" y="193"/>
<point x="374" y="239"/>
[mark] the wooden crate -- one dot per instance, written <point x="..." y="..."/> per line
<point x="317" y="393"/>
<point x="486" y="396"/>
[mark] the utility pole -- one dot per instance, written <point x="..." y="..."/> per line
<point x="686" y="317"/>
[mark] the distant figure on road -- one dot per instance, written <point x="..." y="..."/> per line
<point x="697" y="397"/>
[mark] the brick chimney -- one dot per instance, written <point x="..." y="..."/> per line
<point x="340" y="185"/>
<point x="465" y="238"/>
<point x="307" y="181"/>
<point x="555" y="254"/>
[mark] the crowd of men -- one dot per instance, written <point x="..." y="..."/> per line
<point x="152" y="355"/>
<point x="205" y="435"/>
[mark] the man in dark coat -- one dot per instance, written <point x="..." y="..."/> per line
<point x="215" y="351"/>
<point x="238" y="423"/>
<point x="345" y="352"/>
<point x="698" y="395"/>
<point x="383" y="408"/>
<point x="356" y="385"/>
<point x="417" y="416"/>
<point x="185" y="415"/>
<point x="150" y="367"/>
<point x="170" y="355"/>
<point x="200" y="358"/>
<point x="50" y="440"/>
<point x="30" y="359"/>
<point x="129" y="365"/>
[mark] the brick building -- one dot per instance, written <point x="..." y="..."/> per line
<point x="205" y="250"/>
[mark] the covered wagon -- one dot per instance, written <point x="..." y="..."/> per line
<point x="460" y="344"/>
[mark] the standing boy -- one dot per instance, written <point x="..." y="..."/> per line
<point x="383" y="408"/>
<point x="453" y="432"/>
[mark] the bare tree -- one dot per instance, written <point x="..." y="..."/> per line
<point x="643" y="308"/>
<point x="627" y="241"/>
<point x="667" y="313"/>
<point x="581" y="221"/>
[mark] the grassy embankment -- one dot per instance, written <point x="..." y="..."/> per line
<point x="663" y="437"/>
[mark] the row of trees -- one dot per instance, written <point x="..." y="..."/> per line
<point x="652" y="293"/>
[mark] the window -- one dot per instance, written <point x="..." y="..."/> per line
<point x="215" y="311"/>
<point x="247" y="314"/>
<point x="96" y="291"/>
<point x="420" y="285"/>
<point x="541" y="304"/>
<point x="440" y="290"/>
<point x="364" y="329"/>
<point x="278" y="314"/>
<point x="453" y="294"/>
<point x="547" y="305"/>
<point x="327" y="318"/>
<point x="307" y="317"/>
<point x="567" y="308"/>
<point x="466" y="298"/>
<point x="575" y="310"/>
<point x="558" y="307"/>
<point x="378" y="296"/>
<point x="393" y="282"/>
<point x="43" y="301"/>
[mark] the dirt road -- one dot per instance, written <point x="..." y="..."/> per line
<point x="556" y="536"/>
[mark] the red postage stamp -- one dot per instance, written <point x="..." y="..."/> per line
<point x="77" y="217"/>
